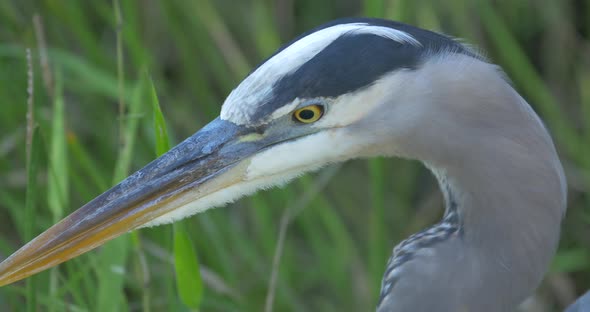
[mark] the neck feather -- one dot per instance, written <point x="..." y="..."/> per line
<point x="503" y="185"/>
<point x="492" y="247"/>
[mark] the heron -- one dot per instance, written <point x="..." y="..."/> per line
<point x="359" y="88"/>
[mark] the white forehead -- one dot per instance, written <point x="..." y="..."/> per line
<point x="243" y="100"/>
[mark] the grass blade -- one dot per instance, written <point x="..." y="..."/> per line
<point x="377" y="254"/>
<point x="30" y="204"/>
<point x="112" y="259"/>
<point x="57" y="188"/>
<point x="120" y="71"/>
<point x="525" y="75"/>
<point x="188" y="278"/>
<point x="161" y="134"/>
<point x="571" y="260"/>
<point x="33" y="159"/>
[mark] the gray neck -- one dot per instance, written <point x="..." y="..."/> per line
<point x="502" y="180"/>
<point x="490" y="250"/>
<point x="412" y="248"/>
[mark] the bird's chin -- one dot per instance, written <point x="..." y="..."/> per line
<point x="228" y="187"/>
<point x="218" y="191"/>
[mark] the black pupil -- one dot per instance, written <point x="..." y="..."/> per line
<point x="306" y="114"/>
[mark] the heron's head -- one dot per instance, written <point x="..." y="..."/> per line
<point x="323" y="98"/>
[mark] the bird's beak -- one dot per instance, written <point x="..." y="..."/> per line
<point x="209" y="161"/>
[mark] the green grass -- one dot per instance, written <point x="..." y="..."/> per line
<point x="95" y="125"/>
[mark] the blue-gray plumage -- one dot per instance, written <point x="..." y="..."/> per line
<point x="581" y="305"/>
<point x="360" y="88"/>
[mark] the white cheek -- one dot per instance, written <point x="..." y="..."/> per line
<point x="273" y="167"/>
<point x="305" y="154"/>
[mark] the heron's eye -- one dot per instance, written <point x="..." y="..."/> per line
<point x="309" y="114"/>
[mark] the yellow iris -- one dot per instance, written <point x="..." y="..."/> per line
<point x="309" y="114"/>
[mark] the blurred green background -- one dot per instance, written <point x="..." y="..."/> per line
<point x="345" y="219"/>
